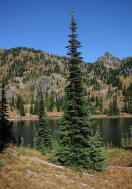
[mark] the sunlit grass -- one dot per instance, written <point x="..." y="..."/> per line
<point x="19" y="170"/>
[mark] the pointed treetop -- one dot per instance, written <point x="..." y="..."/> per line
<point x="72" y="12"/>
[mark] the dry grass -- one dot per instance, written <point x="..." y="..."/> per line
<point x="120" y="157"/>
<point x="19" y="170"/>
<point x="126" y="81"/>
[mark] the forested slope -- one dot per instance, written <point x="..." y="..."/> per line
<point x="108" y="81"/>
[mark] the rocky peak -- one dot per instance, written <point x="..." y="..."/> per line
<point x="108" y="60"/>
<point x="107" y="54"/>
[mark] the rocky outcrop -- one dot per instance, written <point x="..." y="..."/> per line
<point x="108" y="60"/>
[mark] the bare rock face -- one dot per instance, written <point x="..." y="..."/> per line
<point x="10" y="90"/>
<point x="42" y="83"/>
<point x="108" y="60"/>
<point x="128" y="71"/>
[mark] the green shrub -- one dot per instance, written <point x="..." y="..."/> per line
<point x="32" y="88"/>
<point x="22" y="142"/>
<point x="1" y="164"/>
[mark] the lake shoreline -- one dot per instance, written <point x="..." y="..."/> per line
<point x="58" y="115"/>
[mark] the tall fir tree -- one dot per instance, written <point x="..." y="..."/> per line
<point x="42" y="138"/>
<point x="115" y="105"/>
<point x="76" y="145"/>
<point x="129" y="105"/>
<point x="20" y="105"/>
<point x="5" y="124"/>
<point x="31" y="106"/>
<point x="36" y="107"/>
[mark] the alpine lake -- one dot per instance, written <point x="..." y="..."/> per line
<point x="111" y="130"/>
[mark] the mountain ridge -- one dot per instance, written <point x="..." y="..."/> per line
<point x="27" y="70"/>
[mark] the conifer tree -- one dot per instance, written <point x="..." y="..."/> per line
<point x="115" y="105"/>
<point x="51" y="106"/>
<point x="22" y="112"/>
<point x="20" y="105"/>
<point x="31" y="107"/>
<point x="130" y="105"/>
<point x="42" y="138"/>
<point x="76" y="136"/>
<point x="5" y="124"/>
<point x="110" y="111"/>
<point x="36" y="107"/>
<point x="101" y="105"/>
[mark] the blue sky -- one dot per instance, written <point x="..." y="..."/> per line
<point x="103" y="25"/>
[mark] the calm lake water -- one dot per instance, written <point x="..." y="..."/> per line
<point x="111" y="129"/>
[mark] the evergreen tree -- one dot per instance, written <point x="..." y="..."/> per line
<point x="36" y="107"/>
<point x="97" y="152"/>
<point x="110" y="111"/>
<point x="101" y="105"/>
<point x="51" y="106"/>
<point x="109" y="93"/>
<point x="130" y="105"/>
<point x="42" y="138"/>
<point x="125" y="107"/>
<point x="22" y="112"/>
<point x="12" y="102"/>
<point x="76" y="138"/>
<point x="20" y="105"/>
<point x="31" y="107"/>
<point x="5" y="124"/>
<point x="97" y="101"/>
<point x="115" y="106"/>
